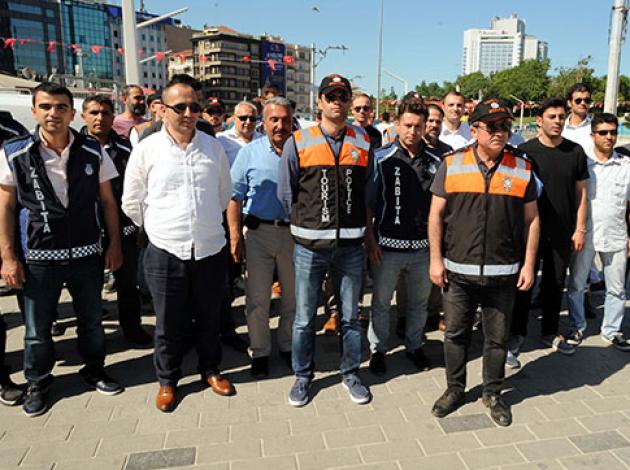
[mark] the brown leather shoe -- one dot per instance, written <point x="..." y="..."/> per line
<point x="220" y="386"/>
<point x="165" y="399"/>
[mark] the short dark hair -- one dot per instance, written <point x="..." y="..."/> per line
<point x="552" y="102"/>
<point x="185" y="79"/>
<point x="436" y="107"/>
<point x="413" y="107"/>
<point x="157" y="96"/>
<point x="603" y="118"/>
<point x="453" y="93"/>
<point x="580" y="87"/>
<point x="127" y="89"/>
<point x="386" y="116"/>
<point x="100" y="99"/>
<point x="273" y="88"/>
<point x="52" y="89"/>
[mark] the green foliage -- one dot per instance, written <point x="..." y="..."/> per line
<point x="474" y="83"/>
<point x="528" y="81"/>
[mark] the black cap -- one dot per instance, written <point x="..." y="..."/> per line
<point x="491" y="110"/>
<point x="215" y="103"/>
<point x="412" y="96"/>
<point x="154" y="96"/>
<point x="334" y="82"/>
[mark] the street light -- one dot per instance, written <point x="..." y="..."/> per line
<point x="522" y="103"/>
<point x="400" y="79"/>
<point x="314" y="64"/>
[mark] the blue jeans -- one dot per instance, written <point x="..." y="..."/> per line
<point x="42" y="289"/>
<point x="614" y="274"/>
<point x="346" y="266"/>
<point x="415" y="266"/>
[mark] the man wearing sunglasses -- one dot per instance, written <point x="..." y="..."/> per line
<point x="243" y="132"/>
<point x="606" y="236"/>
<point x="214" y="114"/>
<point x="177" y="186"/>
<point x="322" y="183"/>
<point x="361" y="111"/>
<point x="577" y="126"/>
<point x="483" y="219"/>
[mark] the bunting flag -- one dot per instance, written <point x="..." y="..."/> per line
<point x="203" y="58"/>
<point x="181" y="58"/>
<point x="272" y="64"/>
<point x="140" y="52"/>
<point x="121" y="50"/>
<point x="288" y="60"/>
<point x="9" y="42"/>
<point x="96" y="49"/>
<point x="75" y="48"/>
<point x="246" y="58"/>
<point x="159" y="56"/>
<point x="52" y="46"/>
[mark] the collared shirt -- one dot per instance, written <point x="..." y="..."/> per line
<point x="179" y="194"/>
<point x="255" y="180"/>
<point x="608" y="196"/>
<point x="456" y="139"/>
<point x="55" y="165"/>
<point x="580" y="134"/>
<point x="232" y="143"/>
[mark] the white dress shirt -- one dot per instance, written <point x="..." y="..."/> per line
<point x="580" y="134"/>
<point x="456" y="139"/>
<point x="232" y="142"/>
<point x="179" y="195"/>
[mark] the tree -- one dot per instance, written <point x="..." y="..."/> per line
<point x="568" y="76"/>
<point x="388" y="96"/>
<point x="470" y="85"/>
<point x="430" y="90"/>
<point x="528" y="80"/>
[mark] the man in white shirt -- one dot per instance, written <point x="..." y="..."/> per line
<point x="577" y="127"/>
<point x="243" y="132"/>
<point x="177" y="185"/>
<point x="455" y="132"/>
<point x="606" y="236"/>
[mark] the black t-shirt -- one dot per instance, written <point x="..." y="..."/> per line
<point x="559" y="168"/>
<point x="376" y="139"/>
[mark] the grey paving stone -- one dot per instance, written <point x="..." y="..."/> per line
<point x="446" y="444"/>
<point x="292" y="444"/>
<point x="412" y="430"/>
<point x="390" y="451"/>
<point x="282" y="462"/>
<point x="442" y="462"/>
<point x="491" y="457"/>
<point x="548" y="449"/>
<point x="318" y="424"/>
<point x="103" y="463"/>
<point x="161" y="459"/>
<point x="184" y="437"/>
<point x="502" y="436"/>
<point x="47" y="452"/>
<point x="328" y="459"/>
<point x="598" y="461"/>
<point x="452" y="424"/>
<point x="12" y="457"/>
<point x="376" y="466"/>
<point x="245" y="450"/>
<point x="605" y="421"/>
<point x="546" y="465"/>
<point x="351" y="437"/>
<point x="599" y="441"/>
<point x="17" y="438"/>
<point x="556" y="428"/>
<point x="242" y="432"/>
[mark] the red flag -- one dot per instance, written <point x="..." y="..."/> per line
<point x="24" y="41"/>
<point x="246" y="58"/>
<point x="51" y="46"/>
<point x="121" y="50"/>
<point x="159" y="56"/>
<point x="288" y="60"/>
<point x="9" y="42"/>
<point x="96" y="49"/>
<point x="181" y="58"/>
<point x="75" y="48"/>
<point x="140" y="52"/>
<point x="272" y="64"/>
<point x="203" y="58"/>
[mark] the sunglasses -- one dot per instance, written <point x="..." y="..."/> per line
<point x="494" y="127"/>
<point x="582" y="100"/>
<point x="606" y="132"/>
<point x="246" y="118"/>
<point x="180" y="108"/>
<point x="365" y="109"/>
<point x="343" y="97"/>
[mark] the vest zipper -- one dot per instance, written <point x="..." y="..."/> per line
<point x="485" y="222"/>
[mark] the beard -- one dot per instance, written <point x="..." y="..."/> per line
<point x="139" y="109"/>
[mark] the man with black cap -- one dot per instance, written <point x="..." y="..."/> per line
<point x="214" y="114"/>
<point x="322" y="183"/>
<point x="483" y="218"/>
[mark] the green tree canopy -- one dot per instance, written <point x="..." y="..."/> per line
<point x="470" y="85"/>
<point x="528" y="81"/>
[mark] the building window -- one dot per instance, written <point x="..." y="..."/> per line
<point x="115" y="33"/>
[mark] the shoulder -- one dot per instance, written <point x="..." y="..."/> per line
<point x="12" y="127"/>
<point x="385" y="152"/>
<point x="458" y="151"/>
<point x="18" y="145"/>
<point x="122" y="143"/>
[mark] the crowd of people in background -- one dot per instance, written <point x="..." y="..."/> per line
<point x="441" y="204"/>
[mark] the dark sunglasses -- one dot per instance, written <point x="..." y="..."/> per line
<point x="583" y="100"/>
<point x="494" y="127"/>
<point x="180" y="108"/>
<point x="606" y="132"/>
<point x="365" y="109"/>
<point x="246" y="118"/>
<point x="343" y="97"/>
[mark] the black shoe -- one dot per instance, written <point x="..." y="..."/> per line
<point x="401" y="327"/>
<point x="287" y="358"/>
<point x="35" y="400"/>
<point x="138" y="336"/>
<point x="377" y="363"/>
<point x="419" y="359"/>
<point x="234" y="341"/>
<point x="588" y="310"/>
<point x="260" y="367"/>
<point x="6" y="291"/>
<point x="56" y="329"/>
<point x="10" y="393"/>
<point x="450" y="400"/>
<point x="499" y="411"/>
<point x="101" y="382"/>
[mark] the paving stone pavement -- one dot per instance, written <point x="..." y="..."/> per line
<point x="569" y="412"/>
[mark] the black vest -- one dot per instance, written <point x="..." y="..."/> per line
<point x="51" y="233"/>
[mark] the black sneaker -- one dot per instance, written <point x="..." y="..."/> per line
<point x="101" y="382"/>
<point x="420" y="360"/>
<point x="10" y="393"/>
<point x="260" y="367"/>
<point x="450" y="400"/>
<point x="35" y="400"/>
<point x="287" y="358"/>
<point x="377" y="363"/>
<point x="499" y="411"/>
<point x="575" y="338"/>
<point x="618" y="341"/>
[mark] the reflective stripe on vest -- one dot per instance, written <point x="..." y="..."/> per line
<point x="327" y="234"/>
<point x="478" y="270"/>
<point x="463" y="175"/>
<point x="314" y="150"/>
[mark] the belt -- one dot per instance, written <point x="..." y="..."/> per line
<point x="275" y="222"/>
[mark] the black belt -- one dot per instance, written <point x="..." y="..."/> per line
<point x="276" y="222"/>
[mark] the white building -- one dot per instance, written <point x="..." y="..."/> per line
<point x="500" y="47"/>
<point x="181" y="62"/>
<point x="298" y="77"/>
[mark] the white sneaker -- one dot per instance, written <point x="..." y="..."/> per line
<point x="511" y="361"/>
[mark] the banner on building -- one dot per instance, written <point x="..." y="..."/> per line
<point x="272" y="68"/>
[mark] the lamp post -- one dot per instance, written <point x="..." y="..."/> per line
<point x="522" y="103"/>
<point x="400" y="79"/>
<point x="314" y="64"/>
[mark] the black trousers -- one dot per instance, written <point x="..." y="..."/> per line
<point x="128" y="295"/>
<point x="233" y="271"/>
<point x="4" y="370"/>
<point x="184" y="292"/>
<point x="460" y="302"/>
<point x="555" y="258"/>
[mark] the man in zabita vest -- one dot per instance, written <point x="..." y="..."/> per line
<point x="322" y="183"/>
<point x="483" y="218"/>
<point x="59" y="177"/>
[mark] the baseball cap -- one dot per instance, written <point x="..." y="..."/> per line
<point x="491" y="110"/>
<point x="411" y="97"/>
<point x="334" y="82"/>
<point x="215" y="103"/>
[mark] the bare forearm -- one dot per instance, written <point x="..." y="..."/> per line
<point x="7" y="234"/>
<point x="532" y="236"/>
<point x="581" y="211"/>
<point x="234" y="218"/>
<point x="436" y="230"/>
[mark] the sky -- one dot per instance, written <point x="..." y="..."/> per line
<point x="422" y="40"/>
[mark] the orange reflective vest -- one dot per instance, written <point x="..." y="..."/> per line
<point x="330" y="206"/>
